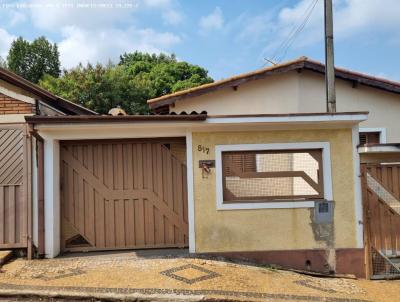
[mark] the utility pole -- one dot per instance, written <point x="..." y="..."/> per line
<point x="329" y="58"/>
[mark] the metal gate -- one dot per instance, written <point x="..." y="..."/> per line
<point x="14" y="187"/>
<point x="381" y="200"/>
<point x="122" y="194"/>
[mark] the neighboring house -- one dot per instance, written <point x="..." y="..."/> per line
<point x="20" y="98"/>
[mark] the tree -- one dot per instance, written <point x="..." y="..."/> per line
<point x="137" y="78"/>
<point x="163" y="74"/>
<point x="32" y="60"/>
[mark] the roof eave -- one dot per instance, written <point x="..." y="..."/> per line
<point x="355" y="77"/>
<point x="353" y="117"/>
<point x="88" y="119"/>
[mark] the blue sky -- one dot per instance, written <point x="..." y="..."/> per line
<point x="226" y="37"/>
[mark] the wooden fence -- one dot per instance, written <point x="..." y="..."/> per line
<point x="381" y="202"/>
<point x="15" y="190"/>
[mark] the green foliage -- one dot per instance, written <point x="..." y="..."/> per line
<point x="33" y="60"/>
<point x="137" y="78"/>
<point x="163" y="74"/>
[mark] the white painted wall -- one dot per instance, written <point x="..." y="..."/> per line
<point x="52" y="197"/>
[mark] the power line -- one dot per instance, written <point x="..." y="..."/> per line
<point x="298" y="31"/>
<point x="283" y="48"/>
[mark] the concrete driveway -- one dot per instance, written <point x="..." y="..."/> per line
<point x="174" y="276"/>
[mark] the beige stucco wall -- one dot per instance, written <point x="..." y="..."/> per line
<point x="273" y="96"/>
<point x="384" y="107"/>
<point x="295" y="92"/>
<point x="272" y="229"/>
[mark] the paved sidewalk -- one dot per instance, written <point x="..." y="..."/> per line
<point x="148" y="276"/>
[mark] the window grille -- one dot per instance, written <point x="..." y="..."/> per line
<point x="258" y="176"/>
<point x="369" y="138"/>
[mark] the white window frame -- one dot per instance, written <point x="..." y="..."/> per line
<point x="327" y="175"/>
<point x="382" y="135"/>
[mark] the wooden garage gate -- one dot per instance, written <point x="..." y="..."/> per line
<point x="122" y="195"/>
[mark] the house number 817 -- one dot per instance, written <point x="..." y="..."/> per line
<point x="203" y="149"/>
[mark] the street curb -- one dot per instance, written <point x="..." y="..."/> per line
<point x="49" y="294"/>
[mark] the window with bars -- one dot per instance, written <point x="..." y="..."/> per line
<point x="370" y="138"/>
<point x="278" y="175"/>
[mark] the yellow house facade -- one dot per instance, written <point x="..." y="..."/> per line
<point x="258" y="171"/>
<point x="282" y="232"/>
<point x="309" y="218"/>
<point x="295" y="87"/>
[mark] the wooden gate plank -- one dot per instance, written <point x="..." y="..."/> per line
<point x="128" y="167"/>
<point x="139" y="222"/>
<point x="110" y="223"/>
<point x="120" y="223"/>
<point x="130" y="222"/>
<point x="99" y="221"/>
<point x="80" y="223"/>
<point x="69" y="186"/>
<point x="396" y="182"/>
<point x="11" y="214"/>
<point x="2" y="215"/>
<point x="90" y="214"/>
<point x="149" y="221"/>
<point x="139" y="166"/>
<point x="158" y="159"/>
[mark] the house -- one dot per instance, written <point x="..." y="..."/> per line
<point x="20" y="98"/>
<point x="298" y="87"/>
<point x="276" y="187"/>
<point x="205" y="182"/>
<point x="248" y="167"/>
